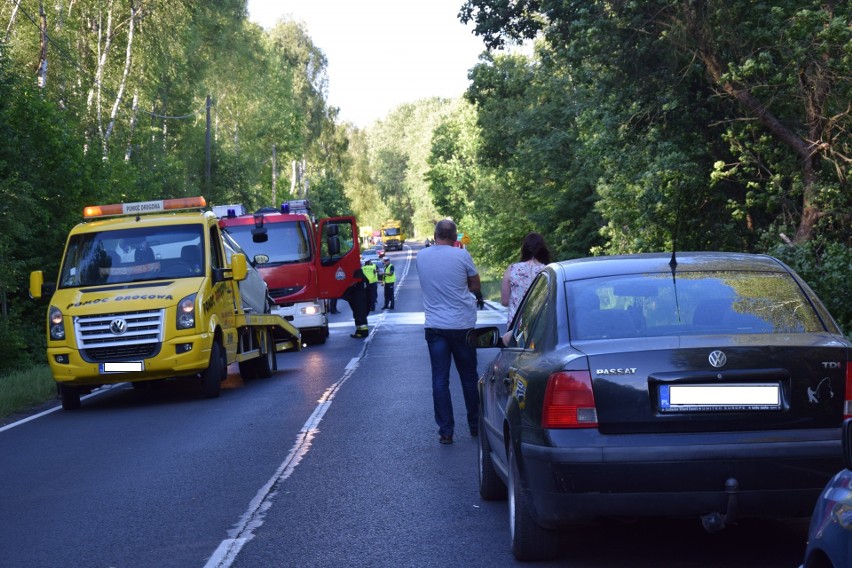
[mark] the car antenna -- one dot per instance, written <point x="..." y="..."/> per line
<point x="673" y="261"/>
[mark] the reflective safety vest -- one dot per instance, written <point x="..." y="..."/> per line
<point x="390" y="276"/>
<point x="370" y="273"/>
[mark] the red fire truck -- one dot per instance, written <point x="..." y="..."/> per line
<point x="291" y="250"/>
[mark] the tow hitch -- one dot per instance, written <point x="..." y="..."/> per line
<point x="715" y="522"/>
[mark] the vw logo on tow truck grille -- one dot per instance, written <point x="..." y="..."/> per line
<point x="118" y="326"/>
<point x="718" y="359"/>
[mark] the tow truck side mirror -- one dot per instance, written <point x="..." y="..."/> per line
<point x="239" y="267"/>
<point x="36" y="283"/>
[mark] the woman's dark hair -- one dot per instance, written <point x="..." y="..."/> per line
<point x="535" y="247"/>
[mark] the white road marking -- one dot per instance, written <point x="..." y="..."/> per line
<point x="244" y="530"/>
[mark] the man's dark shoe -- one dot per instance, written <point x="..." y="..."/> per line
<point x="446" y="439"/>
<point x="360" y="334"/>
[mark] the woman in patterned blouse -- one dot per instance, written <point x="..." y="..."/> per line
<point x="518" y="276"/>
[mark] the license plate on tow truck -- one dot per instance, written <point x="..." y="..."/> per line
<point x="121" y="367"/>
<point x="692" y="398"/>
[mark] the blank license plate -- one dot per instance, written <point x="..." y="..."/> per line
<point x="121" y="367"/>
<point x="680" y="398"/>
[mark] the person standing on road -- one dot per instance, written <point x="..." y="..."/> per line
<point x="358" y="298"/>
<point x="390" y="280"/>
<point x="372" y="277"/>
<point x="451" y="293"/>
<point x="518" y="276"/>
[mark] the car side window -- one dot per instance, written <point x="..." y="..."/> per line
<point x="531" y="322"/>
<point x="216" y="260"/>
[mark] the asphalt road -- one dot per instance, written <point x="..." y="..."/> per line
<point x="333" y="461"/>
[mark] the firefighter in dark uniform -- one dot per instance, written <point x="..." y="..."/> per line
<point x="357" y="296"/>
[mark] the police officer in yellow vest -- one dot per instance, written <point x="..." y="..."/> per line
<point x="390" y="278"/>
<point x="372" y="277"/>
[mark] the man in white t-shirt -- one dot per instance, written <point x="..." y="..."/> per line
<point x="451" y="293"/>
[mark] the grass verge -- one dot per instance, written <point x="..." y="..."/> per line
<point x="22" y="390"/>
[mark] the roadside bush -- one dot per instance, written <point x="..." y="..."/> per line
<point x="22" y="390"/>
<point x="14" y="353"/>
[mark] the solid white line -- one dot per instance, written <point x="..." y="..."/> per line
<point x="94" y="393"/>
<point x="254" y="517"/>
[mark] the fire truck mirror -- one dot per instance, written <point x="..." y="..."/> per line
<point x="333" y="245"/>
<point x="259" y="235"/>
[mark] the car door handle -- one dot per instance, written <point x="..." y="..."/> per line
<point x="507" y="381"/>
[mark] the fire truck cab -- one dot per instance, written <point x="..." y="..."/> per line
<point x="293" y="254"/>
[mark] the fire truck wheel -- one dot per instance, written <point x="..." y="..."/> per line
<point x="70" y="397"/>
<point x="212" y="377"/>
<point x="315" y="336"/>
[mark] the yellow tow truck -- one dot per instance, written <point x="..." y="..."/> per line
<point x="146" y="292"/>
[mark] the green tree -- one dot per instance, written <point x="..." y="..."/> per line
<point x="778" y="86"/>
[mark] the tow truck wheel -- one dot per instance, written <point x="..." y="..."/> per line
<point x="70" y="397"/>
<point x="248" y="369"/>
<point x="266" y="362"/>
<point x="212" y="377"/>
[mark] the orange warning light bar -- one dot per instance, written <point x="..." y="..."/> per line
<point x="143" y="207"/>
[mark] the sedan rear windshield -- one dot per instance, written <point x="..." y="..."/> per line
<point x="653" y="305"/>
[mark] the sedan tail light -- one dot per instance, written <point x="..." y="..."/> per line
<point x="847" y="406"/>
<point x="569" y="401"/>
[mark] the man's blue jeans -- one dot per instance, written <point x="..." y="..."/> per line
<point x="444" y="345"/>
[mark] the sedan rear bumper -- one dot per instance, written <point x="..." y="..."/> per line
<point x="764" y="473"/>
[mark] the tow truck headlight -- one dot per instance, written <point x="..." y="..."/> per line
<point x="186" y="313"/>
<point x="56" y="324"/>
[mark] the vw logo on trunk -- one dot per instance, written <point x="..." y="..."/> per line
<point x="718" y="359"/>
<point x="118" y="326"/>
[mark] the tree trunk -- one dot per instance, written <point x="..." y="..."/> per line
<point x="104" y="46"/>
<point x="123" y="84"/>
<point x="42" y="56"/>
<point x="11" y="21"/>
<point x="133" y="119"/>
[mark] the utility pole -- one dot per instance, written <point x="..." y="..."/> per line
<point x="274" y="176"/>
<point x="207" y="148"/>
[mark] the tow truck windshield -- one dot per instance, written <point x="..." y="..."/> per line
<point x="133" y="255"/>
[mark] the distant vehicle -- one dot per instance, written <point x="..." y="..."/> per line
<point x="380" y="250"/>
<point x="830" y="534"/>
<point x="393" y="237"/>
<point x="711" y="385"/>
